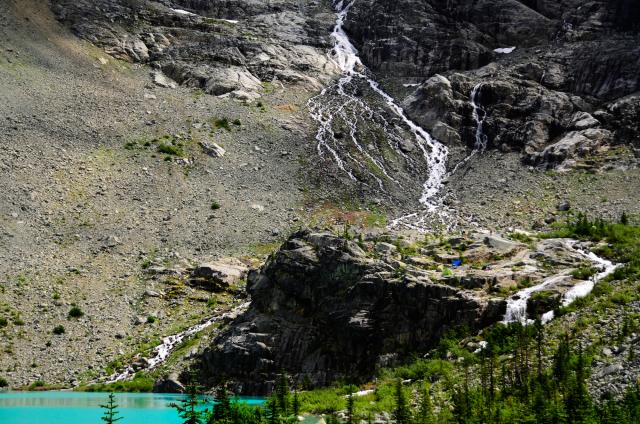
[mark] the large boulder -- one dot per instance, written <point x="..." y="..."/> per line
<point x="323" y="309"/>
<point x="219" y="275"/>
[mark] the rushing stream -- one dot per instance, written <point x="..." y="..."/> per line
<point x="517" y="304"/>
<point x="341" y="102"/>
<point x="164" y="349"/>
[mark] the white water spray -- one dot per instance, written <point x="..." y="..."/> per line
<point x="339" y="102"/>
<point x="517" y="304"/>
<point x="479" y="115"/>
<point x="163" y="350"/>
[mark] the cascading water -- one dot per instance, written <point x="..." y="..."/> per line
<point x="341" y="103"/>
<point x="481" y="139"/>
<point x="517" y="304"/>
<point x="163" y="350"/>
<point x="479" y="115"/>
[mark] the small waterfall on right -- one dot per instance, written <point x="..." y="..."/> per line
<point x="479" y="114"/>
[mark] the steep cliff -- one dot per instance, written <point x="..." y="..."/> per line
<point x="567" y="91"/>
<point x="324" y="309"/>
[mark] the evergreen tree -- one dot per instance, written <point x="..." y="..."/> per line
<point x="222" y="406"/>
<point x="624" y="219"/>
<point x="578" y="403"/>
<point x="111" y="413"/>
<point x="425" y="407"/>
<point x="282" y="394"/>
<point x="272" y="410"/>
<point x="295" y="403"/>
<point x="561" y="362"/>
<point x="188" y="408"/>
<point x="401" y="412"/>
<point x="350" y="409"/>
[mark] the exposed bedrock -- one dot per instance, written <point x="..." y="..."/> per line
<point x="324" y="309"/>
<point x="575" y="68"/>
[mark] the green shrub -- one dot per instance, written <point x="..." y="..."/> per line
<point x="3" y="382"/>
<point x="18" y="321"/>
<point x="3" y="322"/>
<point x="151" y="319"/>
<point x="221" y="123"/>
<point x="212" y="302"/>
<point x="58" y="330"/>
<point x="75" y="312"/>
<point x="140" y="384"/>
<point x="215" y="205"/>
<point x="39" y="384"/>
<point x="170" y="149"/>
<point x="584" y="273"/>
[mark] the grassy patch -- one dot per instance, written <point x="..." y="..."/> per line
<point x="584" y="272"/>
<point x="170" y="149"/>
<point x="223" y="122"/>
<point x="141" y="383"/>
<point x="619" y="242"/>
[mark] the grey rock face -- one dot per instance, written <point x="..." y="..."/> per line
<point x="570" y="60"/>
<point x="323" y="309"/>
<point x="218" y="47"/>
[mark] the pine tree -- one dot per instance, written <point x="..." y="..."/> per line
<point x="401" y="412"/>
<point x="272" y="410"/>
<point x="282" y="394"/>
<point x="111" y="410"/>
<point x="425" y="407"/>
<point x="188" y="408"/>
<point x="350" y="409"/>
<point x="561" y="362"/>
<point x="624" y="219"/>
<point x="222" y="407"/>
<point x="578" y="403"/>
<point x="295" y="403"/>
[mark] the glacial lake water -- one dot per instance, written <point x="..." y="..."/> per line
<point x="84" y="408"/>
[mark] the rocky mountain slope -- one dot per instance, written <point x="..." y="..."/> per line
<point x="325" y="308"/>
<point x="144" y="138"/>
<point x="556" y="81"/>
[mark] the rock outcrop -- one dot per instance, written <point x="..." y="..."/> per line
<point x="219" y="47"/>
<point x="571" y="59"/>
<point x="323" y="308"/>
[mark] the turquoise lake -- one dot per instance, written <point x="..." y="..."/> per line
<point x="84" y="408"/>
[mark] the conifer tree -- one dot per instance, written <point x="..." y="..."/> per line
<point x="282" y="394"/>
<point x="295" y="403"/>
<point x="578" y="403"/>
<point x="425" y="407"/>
<point x="272" y="410"/>
<point x="111" y="413"/>
<point x="401" y="412"/>
<point x="222" y="407"/>
<point x="188" y="408"/>
<point x="350" y="409"/>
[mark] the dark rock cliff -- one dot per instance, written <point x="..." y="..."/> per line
<point x="572" y="58"/>
<point x="323" y="309"/>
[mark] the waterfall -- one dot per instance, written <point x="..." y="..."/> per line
<point x="169" y="343"/>
<point x="479" y="115"/>
<point x="517" y="304"/>
<point x="341" y="102"/>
